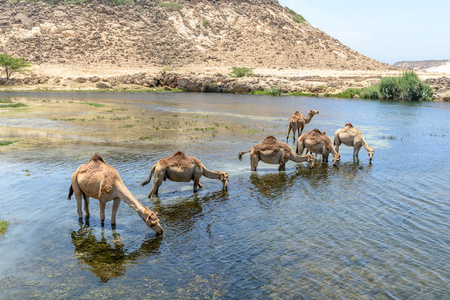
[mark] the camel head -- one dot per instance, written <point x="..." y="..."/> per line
<point x="224" y="178"/>
<point x="371" y="152"/>
<point x="311" y="159"/>
<point x="336" y="159"/>
<point x="314" y="112"/>
<point x="152" y="221"/>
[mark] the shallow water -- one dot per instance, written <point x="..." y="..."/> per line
<point x="363" y="230"/>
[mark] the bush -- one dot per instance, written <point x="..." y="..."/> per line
<point x="370" y="92"/>
<point x="295" y="16"/>
<point x="241" y="72"/>
<point x="406" y="87"/>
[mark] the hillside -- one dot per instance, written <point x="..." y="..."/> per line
<point x="442" y="66"/>
<point x="204" y="33"/>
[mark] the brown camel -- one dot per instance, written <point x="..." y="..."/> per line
<point x="99" y="180"/>
<point x="297" y="123"/>
<point x="317" y="142"/>
<point x="272" y="151"/>
<point x="182" y="168"/>
<point x="350" y="136"/>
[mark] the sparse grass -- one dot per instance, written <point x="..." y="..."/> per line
<point x="205" y="23"/>
<point x="8" y="142"/>
<point x="143" y="138"/>
<point x="3" y="226"/>
<point x="241" y="72"/>
<point x="94" y="104"/>
<point x="170" y="6"/>
<point x="250" y="131"/>
<point x="126" y="126"/>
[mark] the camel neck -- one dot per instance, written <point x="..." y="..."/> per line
<point x="365" y="145"/>
<point x="129" y="199"/>
<point x="211" y="174"/>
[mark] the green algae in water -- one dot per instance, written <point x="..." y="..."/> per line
<point x="3" y="226"/>
<point x="7" y="142"/>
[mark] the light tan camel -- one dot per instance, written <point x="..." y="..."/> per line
<point x="350" y="136"/>
<point x="297" y="122"/>
<point x="274" y="152"/>
<point x="99" y="180"/>
<point x="317" y="142"/>
<point x="182" y="168"/>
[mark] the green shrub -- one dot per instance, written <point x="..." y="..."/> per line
<point x="241" y="72"/>
<point x="405" y="87"/>
<point x="370" y="92"/>
<point x="205" y="23"/>
<point x="169" y="5"/>
<point x="295" y="16"/>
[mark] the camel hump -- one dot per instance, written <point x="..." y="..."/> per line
<point x="315" y="130"/>
<point x="297" y="112"/>
<point x="97" y="158"/>
<point x="270" y="138"/>
<point x="179" y="153"/>
<point x="348" y="125"/>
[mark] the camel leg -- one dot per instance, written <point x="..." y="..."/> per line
<point x="254" y="161"/>
<point x="86" y="205"/>
<point x="289" y="131"/>
<point x="196" y="184"/>
<point x="282" y="167"/>
<point x="114" y="210"/>
<point x="78" y="196"/>
<point x="157" y="181"/>
<point x="102" y="212"/>
<point x="357" y="151"/>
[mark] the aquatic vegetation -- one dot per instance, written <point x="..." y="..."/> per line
<point x="250" y="131"/>
<point x="3" y="226"/>
<point x="7" y="142"/>
<point x="5" y="103"/>
<point x="94" y="104"/>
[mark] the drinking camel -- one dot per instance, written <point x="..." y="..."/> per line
<point x="182" y="168"/>
<point x="272" y="151"/>
<point x="297" y="122"/>
<point x="99" y="180"/>
<point x="317" y="142"/>
<point x="350" y="136"/>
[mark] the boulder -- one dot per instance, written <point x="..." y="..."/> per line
<point x="103" y="85"/>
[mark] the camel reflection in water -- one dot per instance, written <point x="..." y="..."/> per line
<point x="108" y="259"/>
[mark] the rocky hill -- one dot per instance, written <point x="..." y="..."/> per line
<point x="421" y="64"/>
<point x="200" y="33"/>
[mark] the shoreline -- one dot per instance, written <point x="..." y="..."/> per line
<point x="207" y="79"/>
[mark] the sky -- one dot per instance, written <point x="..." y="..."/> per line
<point x="386" y="30"/>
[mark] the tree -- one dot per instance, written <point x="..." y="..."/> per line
<point x="13" y="65"/>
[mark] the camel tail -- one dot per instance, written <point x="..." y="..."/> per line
<point x="70" y="193"/>
<point x="149" y="176"/>
<point x="242" y="153"/>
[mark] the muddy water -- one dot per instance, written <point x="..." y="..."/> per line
<point x="363" y="230"/>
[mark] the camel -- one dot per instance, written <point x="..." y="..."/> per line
<point x="297" y="122"/>
<point x="182" y="168"/>
<point x="350" y="136"/>
<point x="99" y="180"/>
<point x="272" y="151"/>
<point x="317" y="142"/>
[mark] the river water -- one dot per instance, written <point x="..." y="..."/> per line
<point x="361" y="230"/>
